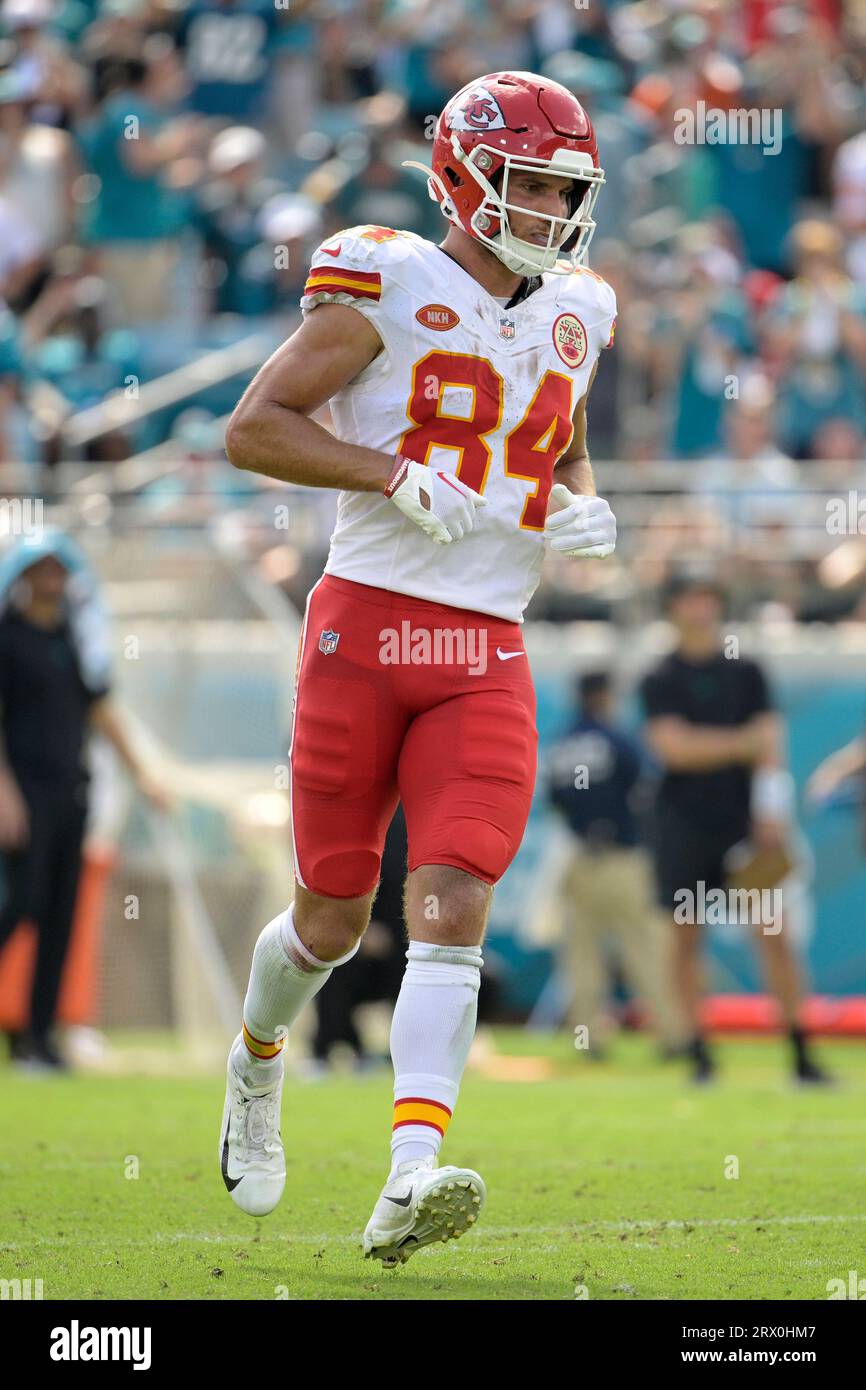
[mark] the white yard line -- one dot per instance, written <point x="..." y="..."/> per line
<point x="486" y="1233"/>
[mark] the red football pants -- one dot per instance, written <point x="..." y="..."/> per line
<point x="400" y="698"/>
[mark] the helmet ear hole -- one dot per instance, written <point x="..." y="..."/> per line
<point x="455" y="179"/>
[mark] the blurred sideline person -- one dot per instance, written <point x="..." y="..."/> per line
<point x="839" y="773"/>
<point x="54" y="689"/>
<point x="607" y="886"/>
<point x="712" y="725"/>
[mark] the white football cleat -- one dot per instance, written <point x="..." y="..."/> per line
<point x="421" y="1204"/>
<point x="252" y="1161"/>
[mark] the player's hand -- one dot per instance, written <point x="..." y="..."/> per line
<point x="437" y="501"/>
<point x="583" y="526"/>
<point x="14" y="816"/>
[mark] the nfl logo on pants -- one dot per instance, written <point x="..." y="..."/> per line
<point x="328" y="641"/>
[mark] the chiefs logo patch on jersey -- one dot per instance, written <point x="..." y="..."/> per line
<point x="569" y="339"/>
<point x="438" y="316"/>
<point x="478" y="111"/>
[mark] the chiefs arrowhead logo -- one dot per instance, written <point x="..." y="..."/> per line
<point x="478" y="110"/>
<point x="438" y="316"/>
<point x="569" y="339"/>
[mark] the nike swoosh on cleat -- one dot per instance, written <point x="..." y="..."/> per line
<point x="400" y="1201"/>
<point x="231" y="1183"/>
<point x="333" y="251"/>
<point x="506" y="656"/>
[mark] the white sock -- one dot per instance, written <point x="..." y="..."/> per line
<point x="284" y="977"/>
<point x="431" y="1033"/>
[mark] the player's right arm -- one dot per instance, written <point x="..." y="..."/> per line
<point x="270" y="430"/>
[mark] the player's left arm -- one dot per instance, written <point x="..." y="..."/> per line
<point x="573" y="467"/>
<point x="579" y="521"/>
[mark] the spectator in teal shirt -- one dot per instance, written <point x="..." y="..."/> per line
<point x="816" y="333"/>
<point x="134" y="146"/>
<point x="701" y="333"/>
<point x="228" y="48"/>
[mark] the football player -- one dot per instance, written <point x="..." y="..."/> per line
<point x="458" y="377"/>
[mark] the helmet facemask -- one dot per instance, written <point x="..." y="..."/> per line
<point x="568" y="237"/>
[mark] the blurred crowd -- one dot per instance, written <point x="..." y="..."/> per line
<point x="167" y="169"/>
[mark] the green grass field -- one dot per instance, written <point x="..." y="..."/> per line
<point x="610" y="1176"/>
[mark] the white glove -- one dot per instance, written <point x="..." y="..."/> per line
<point x="584" y="526"/>
<point x="438" y="502"/>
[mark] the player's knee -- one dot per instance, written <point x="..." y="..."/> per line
<point x="330" y="926"/>
<point x="447" y="904"/>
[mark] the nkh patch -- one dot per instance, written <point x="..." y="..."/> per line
<point x="478" y="110"/>
<point x="438" y="316"/>
<point x="328" y="641"/>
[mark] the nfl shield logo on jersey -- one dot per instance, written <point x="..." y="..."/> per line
<point x="506" y="328"/>
<point x="328" y="641"/>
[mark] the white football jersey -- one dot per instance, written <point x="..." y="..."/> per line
<point x="463" y="384"/>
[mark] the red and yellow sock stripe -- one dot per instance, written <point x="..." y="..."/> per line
<point x="415" y="1110"/>
<point x="264" y="1051"/>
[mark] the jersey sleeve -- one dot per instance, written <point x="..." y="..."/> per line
<point x="606" y="325"/>
<point x="347" y="269"/>
<point x="595" y="305"/>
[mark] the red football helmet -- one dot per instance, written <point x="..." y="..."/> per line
<point x="515" y="121"/>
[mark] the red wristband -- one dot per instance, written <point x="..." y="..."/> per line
<point x="398" y="473"/>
